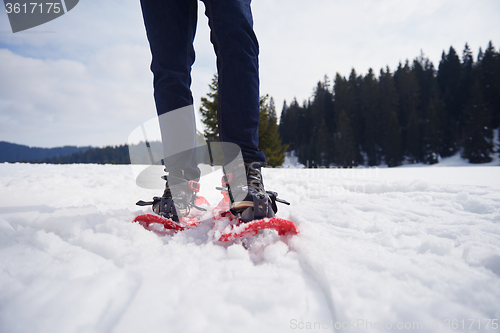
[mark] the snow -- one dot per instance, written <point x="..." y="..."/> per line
<point x="378" y="248"/>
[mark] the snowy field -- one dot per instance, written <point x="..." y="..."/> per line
<point x="402" y="249"/>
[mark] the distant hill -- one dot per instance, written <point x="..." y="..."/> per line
<point x="106" y="155"/>
<point x="11" y="152"/>
<point x="142" y="154"/>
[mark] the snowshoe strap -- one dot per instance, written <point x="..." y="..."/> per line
<point x="144" y="203"/>
<point x="227" y="179"/>
<point x="169" y="209"/>
<point x="195" y="186"/>
<point x="259" y="206"/>
<point x="200" y="208"/>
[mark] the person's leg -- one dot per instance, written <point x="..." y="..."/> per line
<point x="237" y="53"/>
<point x="171" y="27"/>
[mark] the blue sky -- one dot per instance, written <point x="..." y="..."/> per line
<point x="84" y="79"/>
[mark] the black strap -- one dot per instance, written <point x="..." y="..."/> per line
<point x="259" y="206"/>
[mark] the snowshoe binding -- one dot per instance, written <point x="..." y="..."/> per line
<point x="174" y="207"/>
<point x="245" y="188"/>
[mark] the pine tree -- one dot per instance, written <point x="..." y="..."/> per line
<point x="322" y="147"/>
<point x="321" y="113"/>
<point x="448" y="80"/>
<point x="354" y="113"/>
<point x="208" y="111"/>
<point x="478" y="144"/>
<point x="432" y="134"/>
<point x="480" y="55"/>
<point x="371" y="116"/>
<point x="388" y="101"/>
<point x="465" y="89"/>
<point x="289" y="124"/>
<point x="345" y="152"/>
<point x="490" y="81"/>
<point x="408" y="92"/>
<point x="429" y="94"/>
<point x="348" y="126"/>
<point x="393" y="146"/>
<point x="269" y="139"/>
<point x="414" y="138"/>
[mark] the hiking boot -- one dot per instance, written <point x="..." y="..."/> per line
<point x="177" y="199"/>
<point x="248" y="198"/>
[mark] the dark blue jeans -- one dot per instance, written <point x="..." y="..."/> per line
<point x="171" y="27"/>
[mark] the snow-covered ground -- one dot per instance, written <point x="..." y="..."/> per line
<point x="415" y="249"/>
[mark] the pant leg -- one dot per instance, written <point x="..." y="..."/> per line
<point x="171" y="27"/>
<point x="237" y="51"/>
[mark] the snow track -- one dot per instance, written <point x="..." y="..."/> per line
<point x="376" y="247"/>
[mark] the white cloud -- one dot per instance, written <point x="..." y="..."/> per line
<point x="53" y="102"/>
<point x="89" y="81"/>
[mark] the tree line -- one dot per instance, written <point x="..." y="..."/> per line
<point x="106" y="155"/>
<point x="416" y="114"/>
<point x="11" y="152"/>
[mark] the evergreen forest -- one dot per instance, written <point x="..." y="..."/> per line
<point x="106" y="155"/>
<point x="417" y="114"/>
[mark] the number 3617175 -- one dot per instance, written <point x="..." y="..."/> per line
<point x="471" y="324"/>
<point x="33" y="8"/>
